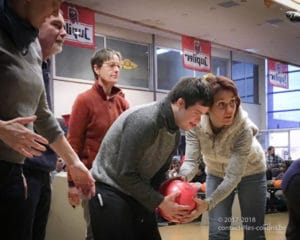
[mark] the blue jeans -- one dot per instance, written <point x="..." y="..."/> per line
<point x="252" y="198"/>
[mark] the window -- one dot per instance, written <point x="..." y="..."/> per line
<point x="169" y="68"/>
<point x="136" y="59"/>
<point x="245" y="76"/>
<point x="294" y="144"/>
<point x="74" y="62"/>
<point x="286" y="142"/>
<point x="220" y="66"/>
<point x="283" y="104"/>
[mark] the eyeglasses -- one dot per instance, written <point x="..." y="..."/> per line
<point x="113" y="64"/>
<point x="222" y="105"/>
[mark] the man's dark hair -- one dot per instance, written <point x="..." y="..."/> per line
<point x="270" y="148"/>
<point x="192" y="90"/>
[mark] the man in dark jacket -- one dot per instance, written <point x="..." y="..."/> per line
<point x="37" y="169"/>
<point x="290" y="186"/>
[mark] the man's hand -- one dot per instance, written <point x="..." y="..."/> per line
<point x="21" y="139"/>
<point x="202" y="206"/>
<point x="74" y="196"/>
<point x="79" y="174"/>
<point x="172" y="210"/>
<point x="83" y="179"/>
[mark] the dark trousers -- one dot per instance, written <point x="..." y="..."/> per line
<point x="37" y="203"/>
<point x="116" y="216"/>
<point x="12" y="201"/>
<point x="292" y="195"/>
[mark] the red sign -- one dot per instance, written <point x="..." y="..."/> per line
<point x="278" y="74"/>
<point x="196" y="54"/>
<point x="80" y="26"/>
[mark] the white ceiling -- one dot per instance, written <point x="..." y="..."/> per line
<point x="247" y="25"/>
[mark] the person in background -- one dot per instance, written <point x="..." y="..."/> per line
<point x="37" y="169"/>
<point x="133" y="161"/>
<point x="290" y="186"/>
<point x="234" y="159"/>
<point x="273" y="160"/>
<point x="24" y="108"/>
<point x="93" y="113"/>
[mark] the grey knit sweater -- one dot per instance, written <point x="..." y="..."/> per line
<point x="136" y="152"/>
<point x="231" y="154"/>
<point x="22" y="93"/>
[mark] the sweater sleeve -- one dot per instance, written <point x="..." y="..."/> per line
<point x="192" y="155"/>
<point x="77" y="127"/>
<point x="46" y="124"/>
<point x="137" y="137"/>
<point x="125" y="103"/>
<point x="235" y="169"/>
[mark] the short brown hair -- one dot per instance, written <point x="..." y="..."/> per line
<point x="102" y="55"/>
<point x="219" y="83"/>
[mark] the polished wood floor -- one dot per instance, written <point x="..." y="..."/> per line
<point x="275" y="229"/>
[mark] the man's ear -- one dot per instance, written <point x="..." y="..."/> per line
<point x="180" y="103"/>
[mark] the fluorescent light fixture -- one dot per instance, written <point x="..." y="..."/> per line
<point x="162" y="51"/>
<point x="293" y="4"/>
<point x="165" y="50"/>
<point x="252" y="50"/>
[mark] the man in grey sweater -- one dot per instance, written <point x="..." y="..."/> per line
<point x="24" y="107"/>
<point x="133" y="160"/>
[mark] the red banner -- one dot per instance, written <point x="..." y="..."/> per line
<point x="80" y="26"/>
<point x="278" y="74"/>
<point x="196" y="54"/>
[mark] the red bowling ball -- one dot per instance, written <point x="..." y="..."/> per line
<point x="188" y="191"/>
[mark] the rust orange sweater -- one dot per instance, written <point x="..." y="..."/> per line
<point x="92" y="114"/>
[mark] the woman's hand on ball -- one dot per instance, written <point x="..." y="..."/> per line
<point x="202" y="206"/>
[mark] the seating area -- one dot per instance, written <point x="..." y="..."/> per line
<point x="275" y="198"/>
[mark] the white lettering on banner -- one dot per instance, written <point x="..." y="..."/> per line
<point x="201" y="60"/>
<point x="278" y="78"/>
<point x="79" y="32"/>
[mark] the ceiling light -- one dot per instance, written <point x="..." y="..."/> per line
<point x="162" y="51"/>
<point x="228" y="4"/>
<point x="293" y="4"/>
<point x="252" y="50"/>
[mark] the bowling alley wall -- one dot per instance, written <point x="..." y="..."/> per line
<point x="153" y="65"/>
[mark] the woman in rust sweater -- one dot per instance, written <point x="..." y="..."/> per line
<point x="93" y="113"/>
